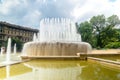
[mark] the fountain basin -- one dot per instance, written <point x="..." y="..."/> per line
<point x="55" y="49"/>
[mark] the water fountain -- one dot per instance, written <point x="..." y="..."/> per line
<point x="7" y="60"/>
<point x="14" y="48"/>
<point x="8" y="52"/>
<point x="55" y="70"/>
<point x="57" y="38"/>
<point x="2" y="51"/>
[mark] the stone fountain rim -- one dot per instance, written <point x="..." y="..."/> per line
<point x="32" y="42"/>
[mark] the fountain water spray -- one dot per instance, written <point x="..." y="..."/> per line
<point x="8" y="50"/>
<point x="8" y="60"/>
<point x="15" y="49"/>
<point x="35" y="37"/>
<point x="58" y="29"/>
<point x="57" y="37"/>
<point x="1" y="52"/>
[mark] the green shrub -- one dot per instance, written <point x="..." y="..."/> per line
<point x="113" y="45"/>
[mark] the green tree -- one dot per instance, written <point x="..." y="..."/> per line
<point x="86" y="29"/>
<point x="101" y="31"/>
<point x="98" y="23"/>
<point x="113" y="21"/>
<point x="110" y="32"/>
<point x="19" y="44"/>
<point x="109" y="35"/>
<point x="118" y="31"/>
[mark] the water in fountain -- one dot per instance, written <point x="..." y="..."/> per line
<point x="7" y="72"/>
<point x="55" y="70"/>
<point x="14" y="48"/>
<point x="1" y="52"/>
<point x="8" y="51"/>
<point x="57" y="37"/>
<point x="8" y="54"/>
<point x="56" y="29"/>
<point x="35" y="38"/>
<point x="7" y="59"/>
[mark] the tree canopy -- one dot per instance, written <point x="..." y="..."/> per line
<point x="100" y="31"/>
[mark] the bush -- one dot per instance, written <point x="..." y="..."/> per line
<point x="113" y="45"/>
<point x="19" y="44"/>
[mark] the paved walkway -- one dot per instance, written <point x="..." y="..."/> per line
<point x="106" y="51"/>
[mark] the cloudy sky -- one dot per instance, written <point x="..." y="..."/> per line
<point x="30" y="12"/>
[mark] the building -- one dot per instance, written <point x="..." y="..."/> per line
<point x="7" y="30"/>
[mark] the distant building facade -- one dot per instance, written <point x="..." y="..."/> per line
<point x="24" y="34"/>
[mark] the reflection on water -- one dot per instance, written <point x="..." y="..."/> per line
<point x="62" y="70"/>
<point x="7" y="72"/>
<point x="55" y="71"/>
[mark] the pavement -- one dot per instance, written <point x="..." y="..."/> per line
<point x="14" y="58"/>
<point x="106" y="51"/>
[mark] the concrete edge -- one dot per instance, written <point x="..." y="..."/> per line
<point x="104" y="60"/>
<point x="13" y="63"/>
<point x="80" y="57"/>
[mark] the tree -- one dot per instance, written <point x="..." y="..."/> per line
<point x="113" y="21"/>
<point x="100" y="31"/>
<point x="109" y="35"/>
<point x="98" y="23"/>
<point x="112" y="34"/>
<point x="86" y="29"/>
<point x="19" y="44"/>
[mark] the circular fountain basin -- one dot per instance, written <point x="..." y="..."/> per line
<point x="42" y="49"/>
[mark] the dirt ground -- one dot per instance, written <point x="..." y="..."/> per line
<point x="106" y="51"/>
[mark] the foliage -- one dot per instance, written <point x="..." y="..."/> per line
<point x="113" y="20"/>
<point x="3" y="44"/>
<point x="100" y="31"/>
<point x="85" y="30"/>
<point x="113" y="45"/>
<point x="98" y="24"/>
<point x="19" y="44"/>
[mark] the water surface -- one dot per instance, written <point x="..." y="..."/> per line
<point x="59" y="70"/>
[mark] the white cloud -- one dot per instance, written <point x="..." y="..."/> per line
<point x="96" y="7"/>
<point x="29" y="12"/>
<point x="6" y="6"/>
<point x="31" y="18"/>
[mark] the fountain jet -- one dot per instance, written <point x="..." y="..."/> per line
<point x="15" y="49"/>
<point x="57" y="37"/>
<point x="8" y="50"/>
<point x="2" y="51"/>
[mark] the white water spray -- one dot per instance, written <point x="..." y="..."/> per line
<point x="35" y="38"/>
<point x="57" y="37"/>
<point x="8" y="50"/>
<point x="56" y="29"/>
<point x="1" y="52"/>
<point x="15" y="49"/>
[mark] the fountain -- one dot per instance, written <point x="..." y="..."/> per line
<point x="8" y="51"/>
<point x="55" y="70"/>
<point x="8" y="54"/>
<point x="8" y="60"/>
<point x="14" y="48"/>
<point x="2" y="51"/>
<point x="57" y="38"/>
